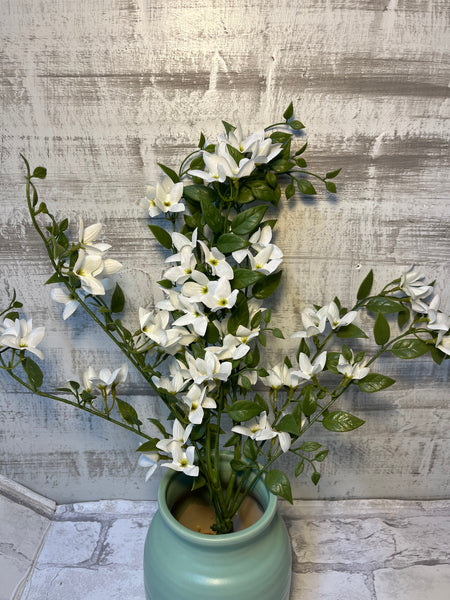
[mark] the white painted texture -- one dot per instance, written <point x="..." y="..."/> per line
<point x="98" y="92"/>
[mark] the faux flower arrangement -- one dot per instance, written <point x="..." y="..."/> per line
<point x="200" y="347"/>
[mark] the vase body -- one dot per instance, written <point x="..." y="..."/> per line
<point x="180" y="564"/>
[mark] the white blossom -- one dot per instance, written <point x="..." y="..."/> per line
<point x="183" y="461"/>
<point x="196" y="401"/>
<point x="71" y="304"/>
<point x="351" y="369"/>
<point x="180" y="436"/>
<point x="20" y="335"/>
<point x="307" y="368"/>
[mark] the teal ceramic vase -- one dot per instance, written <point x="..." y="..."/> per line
<point x="180" y="564"/>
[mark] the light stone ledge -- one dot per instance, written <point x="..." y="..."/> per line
<point x="342" y="550"/>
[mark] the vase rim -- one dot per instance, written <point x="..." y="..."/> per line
<point x="220" y="539"/>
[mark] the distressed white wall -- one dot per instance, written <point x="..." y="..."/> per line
<point x="98" y="91"/>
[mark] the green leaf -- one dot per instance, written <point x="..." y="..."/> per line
<point x="234" y="440"/>
<point x="229" y="242"/>
<point x="238" y="465"/>
<point x="33" y="373"/>
<point x="250" y="450"/>
<point x="310" y="446"/>
<point x="299" y="468"/>
<point x="282" y="165"/>
<point x="160" y="427"/>
<point x="374" y="382"/>
<point x="331" y="187"/>
<point x="117" y="300"/>
<point x="162" y="236"/>
<point x="265" y="287"/>
<point x="127" y="412"/>
<point x="341" y="421"/>
<point x="288" y="112"/>
<point x="366" y="286"/>
<point x="403" y="317"/>
<point x="262" y="403"/>
<point x="239" y="315"/>
<point x="290" y="191"/>
<point x="211" y="215"/>
<point x="289" y="424"/>
<point x="200" y="192"/>
<point x="165" y="283"/>
<point x="381" y="330"/>
<point x="169" y="172"/>
<point x="248" y="220"/>
<point x="212" y="334"/>
<point x="261" y="191"/>
<point x="347" y="353"/>
<point x="202" y="140"/>
<point x="302" y="149"/>
<point x="277" y="482"/>
<point x="296" y="125"/>
<point x="40" y="172"/>
<point x="279" y="137"/>
<point x="243" y="410"/>
<point x="245" y="195"/>
<point x="351" y="331"/>
<point x="437" y="355"/>
<point x="306" y="187"/>
<point x="315" y="477"/>
<point x="321" y="456"/>
<point x="301" y="162"/>
<point x="245" y="277"/>
<point x="333" y="174"/>
<point x="410" y="348"/>
<point x="277" y="333"/>
<point x="228" y="128"/>
<point x="55" y="278"/>
<point x="148" y="446"/>
<point x="384" y="305"/>
<point x="271" y="179"/>
<point x="198" y="483"/>
<point x="246" y="383"/>
<point x="309" y="401"/>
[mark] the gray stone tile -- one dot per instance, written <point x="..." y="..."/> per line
<point x="124" y="542"/>
<point x="419" y="582"/>
<point x="24" y="520"/>
<point x="330" y="585"/>
<point x="70" y="543"/>
<point x="93" y="583"/>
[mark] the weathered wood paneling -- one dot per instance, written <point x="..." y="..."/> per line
<point x="99" y="91"/>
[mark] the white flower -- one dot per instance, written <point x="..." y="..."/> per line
<point x="184" y="270"/>
<point x="280" y="375"/>
<point x="263" y="151"/>
<point x="179" y="437"/>
<point x="197" y="400"/>
<point x="20" y="335"/>
<point x="164" y="197"/>
<point x="88" y="235"/>
<point x="221" y="165"/>
<point x="154" y="324"/>
<point x="332" y="314"/>
<point x="89" y="266"/>
<point x="70" y="303"/>
<point x="308" y="369"/>
<point x="220" y="295"/>
<point x="149" y="460"/>
<point x="259" y="429"/>
<point x="192" y="313"/>
<point x="313" y="321"/>
<point x="443" y="344"/>
<point x="208" y="368"/>
<point x="265" y="261"/>
<point x="107" y="379"/>
<point x="412" y="284"/>
<point x="183" y="461"/>
<point x="198" y="289"/>
<point x="351" y="369"/>
<point x="216" y="260"/>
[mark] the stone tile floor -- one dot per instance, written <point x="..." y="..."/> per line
<point x="343" y="550"/>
